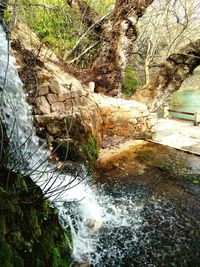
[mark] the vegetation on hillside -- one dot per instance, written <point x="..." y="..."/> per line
<point x="30" y="232"/>
<point x="59" y="26"/>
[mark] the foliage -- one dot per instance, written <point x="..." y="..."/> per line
<point x="130" y="82"/>
<point x="54" y="22"/>
<point x="7" y="15"/>
<point x="89" y="150"/>
<point x="59" y="26"/>
<point x="30" y="232"/>
<point x="101" y="6"/>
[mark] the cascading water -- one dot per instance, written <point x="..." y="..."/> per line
<point x="27" y="153"/>
<point x="120" y="228"/>
<point x="77" y="203"/>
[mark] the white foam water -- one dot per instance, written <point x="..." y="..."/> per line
<point x="79" y="206"/>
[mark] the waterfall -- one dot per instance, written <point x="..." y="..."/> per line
<point x="27" y="152"/>
<point x="79" y="207"/>
<point x="125" y="226"/>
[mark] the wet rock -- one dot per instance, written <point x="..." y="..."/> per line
<point x="43" y="105"/>
<point x="84" y="265"/>
<point x="93" y="224"/>
<point x="81" y="265"/>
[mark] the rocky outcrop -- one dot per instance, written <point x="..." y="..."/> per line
<point x="65" y="110"/>
<point x="125" y="118"/>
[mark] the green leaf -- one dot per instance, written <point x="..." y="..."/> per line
<point x="7" y="15"/>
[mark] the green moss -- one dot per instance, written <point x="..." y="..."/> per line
<point x="130" y="82"/>
<point x="89" y="151"/>
<point x="31" y="235"/>
<point x="6" y="254"/>
<point x="34" y="221"/>
<point x="45" y="207"/>
<point x="22" y="183"/>
<point x="80" y="149"/>
<point x="196" y="182"/>
<point x="192" y="179"/>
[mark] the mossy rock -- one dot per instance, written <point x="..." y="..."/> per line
<point x="89" y="150"/>
<point x="3" y="145"/>
<point x="31" y="235"/>
<point x="79" y="151"/>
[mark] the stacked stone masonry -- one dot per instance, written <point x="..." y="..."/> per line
<point x="65" y="108"/>
<point x="99" y="114"/>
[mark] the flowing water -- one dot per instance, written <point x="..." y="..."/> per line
<point x="28" y="155"/>
<point x="118" y="227"/>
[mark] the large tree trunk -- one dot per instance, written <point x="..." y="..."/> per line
<point x="89" y="16"/>
<point x="170" y="77"/>
<point x="118" y="37"/>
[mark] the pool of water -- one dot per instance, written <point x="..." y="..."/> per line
<point x="152" y="185"/>
<point x="184" y="100"/>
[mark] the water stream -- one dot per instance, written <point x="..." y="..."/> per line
<point x="118" y="227"/>
<point x="75" y="199"/>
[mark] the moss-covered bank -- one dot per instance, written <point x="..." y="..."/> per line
<point x="30" y="233"/>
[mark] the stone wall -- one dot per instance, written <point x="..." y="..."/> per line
<point x="126" y="118"/>
<point x="65" y="110"/>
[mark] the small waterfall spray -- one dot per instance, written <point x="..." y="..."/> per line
<point x="26" y="150"/>
<point x="77" y="203"/>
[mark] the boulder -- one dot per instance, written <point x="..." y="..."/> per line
<point x="43" y="89"/>
<point x="43" y="105"/>
<point x="59" y="106"/>
<point x="52" y="98"/>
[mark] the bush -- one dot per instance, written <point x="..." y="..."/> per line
<point x="130" y="82"/>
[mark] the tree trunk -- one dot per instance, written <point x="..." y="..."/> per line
<point x="89" y="16"/>
<point x="118" y="36"/>
<point x="170" y="77"/>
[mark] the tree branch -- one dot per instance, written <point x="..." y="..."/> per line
<point x="119" y="34"/>
<point x="89" y="16"/>
<point x="170" y="77"/>
<point x="68" y="53"/>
